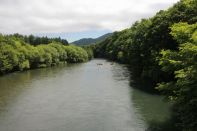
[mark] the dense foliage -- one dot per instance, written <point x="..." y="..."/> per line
<point x="89" y="49"/>
<point x="16" y="54"/>
<point x="183" y="63"/>
<point x="140" y="45"/>
<point x="163" y="50"/>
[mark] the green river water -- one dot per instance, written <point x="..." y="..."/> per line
<point x="77" y="97"/>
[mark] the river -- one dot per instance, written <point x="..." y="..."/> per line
<point x="77" y="97"/>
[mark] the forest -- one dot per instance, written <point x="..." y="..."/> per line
<point x="17" y="55"/>
<point x="35" y="40"/>
<point x="163" y="50"/>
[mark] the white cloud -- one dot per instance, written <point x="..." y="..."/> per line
<point x="51" y="16"/>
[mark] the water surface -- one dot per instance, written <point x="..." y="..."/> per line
<point x="78" y="97"/>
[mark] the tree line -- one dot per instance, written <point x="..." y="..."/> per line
<point x="162" y="49"/>
<point x="17" y="55"/>
<point x="35" y="40"/>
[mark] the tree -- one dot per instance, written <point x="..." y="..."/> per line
<point x="183" y="63"/>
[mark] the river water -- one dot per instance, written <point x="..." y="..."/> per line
<point x="77" y="97"/>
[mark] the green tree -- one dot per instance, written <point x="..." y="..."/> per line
<point x="183" y="63"/>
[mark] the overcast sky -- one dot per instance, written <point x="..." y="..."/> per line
<point x="74" y="19"/>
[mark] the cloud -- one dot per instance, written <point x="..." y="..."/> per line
<point x="53" y="16"/>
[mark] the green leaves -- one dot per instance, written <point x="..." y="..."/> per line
<point x="194" y="37"/>
<point x="15" y="54"/>
<point x="76" y="54"/>
<point x="183" y="89"/>
<point x="183" y="32"/>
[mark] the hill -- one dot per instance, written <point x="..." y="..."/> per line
<point x="88" y="41"/>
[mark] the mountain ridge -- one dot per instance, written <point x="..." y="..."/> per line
<point x="88" y="41"/>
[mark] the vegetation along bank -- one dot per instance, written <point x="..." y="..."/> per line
<point x="17" y="55"/>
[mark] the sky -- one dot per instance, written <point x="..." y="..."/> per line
<point x="74" y="19"/>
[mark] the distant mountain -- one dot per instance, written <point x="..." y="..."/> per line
<point x="88" y="41"/>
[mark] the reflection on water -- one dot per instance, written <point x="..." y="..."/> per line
<point x="78" y="97"/>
